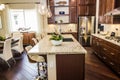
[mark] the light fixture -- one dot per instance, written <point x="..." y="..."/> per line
<point x="2" y="6"/>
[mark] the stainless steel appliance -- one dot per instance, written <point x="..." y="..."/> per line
<point x="86" y="25"/>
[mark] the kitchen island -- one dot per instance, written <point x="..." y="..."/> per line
<point x="65" y="62"/>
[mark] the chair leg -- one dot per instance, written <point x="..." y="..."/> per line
<point x="14" y="60"/>
<point x="8" y="64"/>
<point x="38" y="69"/>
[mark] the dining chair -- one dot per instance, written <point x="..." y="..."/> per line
<point x="35" y="41"/>
<point x="7" y="53"/>
<point x="19" y="46"/>
<point x="40" y="64"/>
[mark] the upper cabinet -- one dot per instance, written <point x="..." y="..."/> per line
<point x="73" y="3"/>
<point x="86" y="7"/>
<point x="107" y="6"/>
<point x="64" y="10"/>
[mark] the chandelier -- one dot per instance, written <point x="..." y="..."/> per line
<point x="2" y="6"/>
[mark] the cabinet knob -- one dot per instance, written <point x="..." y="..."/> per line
<point x="104" y="57"/>
<point x="104" y="49"/>
<point x="111" y="63"/>
<point x="112" y="53"/>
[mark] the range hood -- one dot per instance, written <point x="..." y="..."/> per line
<point x="113" y="12"/>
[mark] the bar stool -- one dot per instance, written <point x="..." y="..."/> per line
<point x="40" y="62"/>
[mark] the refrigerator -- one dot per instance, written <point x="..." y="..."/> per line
<point x="86" y="27"/>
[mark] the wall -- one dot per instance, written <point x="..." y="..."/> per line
<point x="111" y="28"/>
<point x="64" y="27"/>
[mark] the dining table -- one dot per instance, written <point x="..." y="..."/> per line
<point x="65" y="61"/>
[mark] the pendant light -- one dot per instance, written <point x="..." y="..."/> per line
<point x="49" y="13"/>
<point x="2" y="6"/>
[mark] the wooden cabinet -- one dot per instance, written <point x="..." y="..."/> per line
<point x="73" y="14"/>
<point x="70" y="12"/>
<point x="107" y="6"/>
<point x="27" y="38"/>
<point x="73" y="3"/>
<point x="107" y="52"/>
<point x="51" y="20"/>
<point x="70" y="67"/>
<point x="86" y="7"/>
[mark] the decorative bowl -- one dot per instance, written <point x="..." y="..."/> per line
<point x="56" y="42"/>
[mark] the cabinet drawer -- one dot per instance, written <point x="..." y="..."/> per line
<point x="110" y="52"/>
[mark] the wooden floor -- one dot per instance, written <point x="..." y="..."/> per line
<point x="94" y="69"/>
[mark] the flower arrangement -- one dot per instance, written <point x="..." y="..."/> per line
<point x="2" y="38"/>
<point x="56" y="39"/>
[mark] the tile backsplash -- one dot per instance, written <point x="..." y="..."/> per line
<point x="112" y="28"/>
<point x="64" y="27"/>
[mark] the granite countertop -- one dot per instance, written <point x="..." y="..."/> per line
<point x="45" y="47"/>
<point x="103" y="37"/>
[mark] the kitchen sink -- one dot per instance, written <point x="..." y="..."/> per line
<point x="67" y="40"/>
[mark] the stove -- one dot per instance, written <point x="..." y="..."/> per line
<point x="116" y="39"/>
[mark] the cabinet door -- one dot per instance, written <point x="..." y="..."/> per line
<point x="51" y="19"/>
<point x="72" y="2"/>
<point x="109" y="5"/>
<point x="90" y="1"/>
<point x="81" y="2"/>
<point x="102" y="7"/>
<point x="51" y="2"/>
<point x="81" y="10"/>
<point x="73" y="14"/>
<point x="70" y="67"/>
<point x="91" y="10"/>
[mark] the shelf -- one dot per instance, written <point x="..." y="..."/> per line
<point x="62" y="15"/>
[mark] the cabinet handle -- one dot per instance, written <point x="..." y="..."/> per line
<point x="97" y="43"/>
<point x="104" y="49"/>
<point x="112" y="53"/>
<point x="111" y="63"/>
<point x="104" y="57"/>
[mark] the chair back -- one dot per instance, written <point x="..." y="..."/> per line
<point x="16" y="34"/>
<point x="7" y="53"/>
<point x="20" y="44"/>
<point x="35" y="41"/>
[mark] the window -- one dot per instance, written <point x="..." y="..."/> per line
<point x="21" y="18"/>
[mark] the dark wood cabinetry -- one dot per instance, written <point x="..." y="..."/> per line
<point x="51" y="20"/>
<point x="70" y="67"/>
<point x="27" y="38"/>
<point x="73" y="14"/>
<point x="107" y="52"/>
<point x="86" y="7"/>
<point x="73" y="3"/>
<point x="107" y="6"/>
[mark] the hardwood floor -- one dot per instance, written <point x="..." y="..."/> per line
<point x="94" y="69"/>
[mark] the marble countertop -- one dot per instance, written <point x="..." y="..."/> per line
<point x="46" y="47"/>
<point x="103" y="37"/>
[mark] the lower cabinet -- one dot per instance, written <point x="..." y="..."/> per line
<point x="107" y="52"/>
<point x="27" y="38"/>
<point x="70" y="66"/>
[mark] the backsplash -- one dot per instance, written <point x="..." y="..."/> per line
<point x="112" y="28"/>
<point x="64" y="27"/>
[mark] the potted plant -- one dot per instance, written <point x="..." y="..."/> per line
<point x="56" y="39"/>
